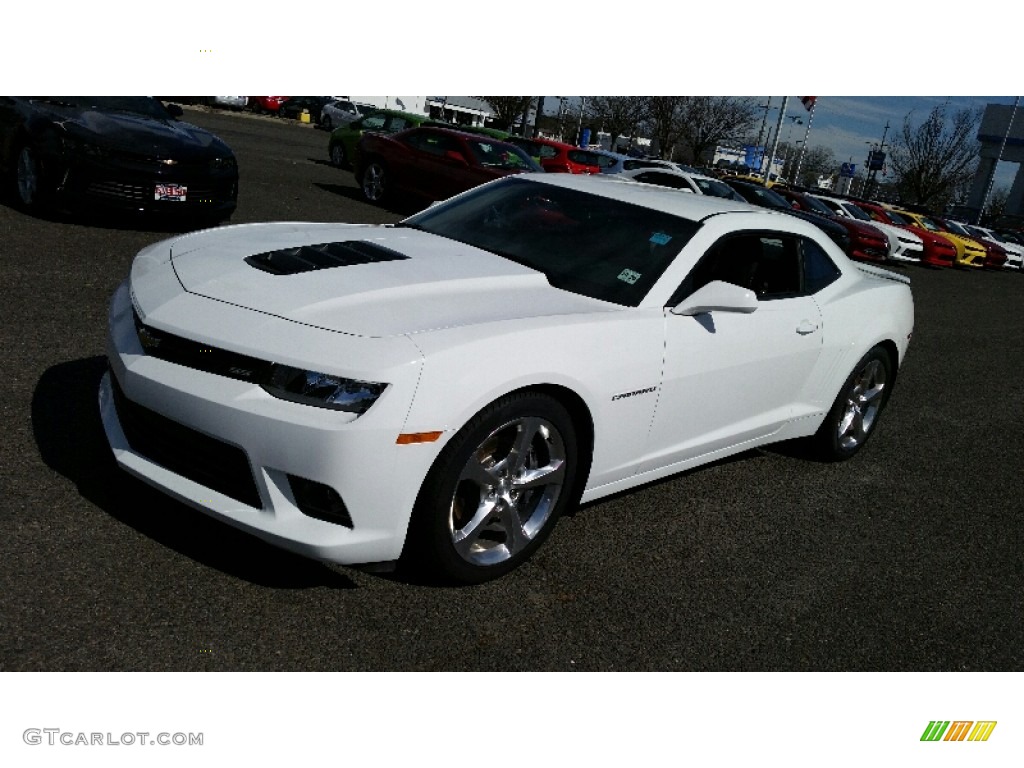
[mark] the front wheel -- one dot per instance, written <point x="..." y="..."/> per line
<point x="27" y="178"/>
<point x="854" y="415"/>
<point x="338" y="155"/>
<point x="496" y="490"/>
<point x="375" y="182"/>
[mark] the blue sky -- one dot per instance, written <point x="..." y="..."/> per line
<point x="845" y="123"/>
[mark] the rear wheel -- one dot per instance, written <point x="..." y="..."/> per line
<point x="376" y="182"/>
<point x="496" y="490"/>
<point x="338" y="155"/>
<point x="854" y="415"/>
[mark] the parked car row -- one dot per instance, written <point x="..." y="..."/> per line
<point x="399" y="151"/>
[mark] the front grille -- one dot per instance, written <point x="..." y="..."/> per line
<point x="115" y="190"/>
<point x="307" y="258"/>
<point x="193" y="354"/>
<point x="205" y="460"/>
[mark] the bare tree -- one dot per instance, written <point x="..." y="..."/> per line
<point x="616" y="115"/>
<point x="662" y="117"/>
<point x="707" y="121"/>
<point x="508" y="109"/>
<point x="935" y="160"/>
<point x="817" y="161"/>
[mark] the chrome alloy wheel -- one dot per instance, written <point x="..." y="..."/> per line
<point x="507" y="491"/>
<point x="373" y="182"/>
<point x="863" y="401"/>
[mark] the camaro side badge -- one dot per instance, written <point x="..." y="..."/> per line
<point x="634" y="393"/>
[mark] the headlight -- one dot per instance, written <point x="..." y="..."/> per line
<point x="322" y="389"/>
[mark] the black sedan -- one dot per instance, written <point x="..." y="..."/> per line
<point x="127" y="153"/>
<point x="755" y="194"/>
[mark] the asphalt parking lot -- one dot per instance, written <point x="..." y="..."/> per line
<point x="908" y="557"/>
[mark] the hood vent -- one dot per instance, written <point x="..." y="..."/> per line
<point x="308" y="258"/>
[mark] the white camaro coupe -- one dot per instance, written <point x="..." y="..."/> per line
<point x="438" y="391"/>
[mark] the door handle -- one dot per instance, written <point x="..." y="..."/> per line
<point x="806" y="327"/>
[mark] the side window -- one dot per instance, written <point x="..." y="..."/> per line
<point x="370" y="123"/>
<point x="663" y="180"/>
<point x="766" y="263"/>
<point x="547" y="152"/>
<point x="606" y="162"/>
<point x="819" y="270"/>
<point x="395" y="124"/>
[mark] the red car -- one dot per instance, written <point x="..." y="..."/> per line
<point x="557" y="157"/>
<point x="267" y="103"/>
<point x="938" y="251"/>
<point x="433" y="163"/>
<point x="995" y="254"/>
<point x="866" y="242"/>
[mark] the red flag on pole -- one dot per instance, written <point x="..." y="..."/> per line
<point x="808" y="102"/>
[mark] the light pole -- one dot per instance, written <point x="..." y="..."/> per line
<point x="869" y="185"/>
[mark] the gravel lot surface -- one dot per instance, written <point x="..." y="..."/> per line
<point x="909" y="557"/>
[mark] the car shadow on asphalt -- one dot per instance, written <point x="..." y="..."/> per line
<point x="68" y="431"/>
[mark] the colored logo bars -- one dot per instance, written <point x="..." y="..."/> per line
<point x="958" y="730"/>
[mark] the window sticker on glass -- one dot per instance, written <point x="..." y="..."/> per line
<point x="629" y="276"/>
<point x="660" y="238"/>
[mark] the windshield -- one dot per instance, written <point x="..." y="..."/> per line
<point x="496" y="154"/>
<point x="716" y="188"/>
<point x="956" y="228"/>
<point x="584" y="243"/>
<point x="816" y="205"/>
<point x="143" y="105"/>
<point x="896" y="218"/>
<point x="928" y="224"/>
<point x="857" y="213"/>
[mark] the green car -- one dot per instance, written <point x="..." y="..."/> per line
<point x="342" y="146"/>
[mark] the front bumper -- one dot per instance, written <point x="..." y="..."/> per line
<point x="249" y="447"/>
<point x="129" y="184"/>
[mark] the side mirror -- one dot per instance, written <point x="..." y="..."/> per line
<point x="455" y="156"/>
<point x="717" y="296"/>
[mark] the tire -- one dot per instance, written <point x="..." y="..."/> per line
<point x="854" y="414"/>
<point x="375" y="182"/>
<point x="338" y="159"/>
<point x="496" y="491"/>
<point x="27" y="179"/>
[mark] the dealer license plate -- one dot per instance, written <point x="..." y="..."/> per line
<point x="171" y="192"/>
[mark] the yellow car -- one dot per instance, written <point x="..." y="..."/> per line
<point x="969" y="252"/>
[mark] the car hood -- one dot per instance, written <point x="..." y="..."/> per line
<point x="401" y="281"/>
<point x="138" y="133"/>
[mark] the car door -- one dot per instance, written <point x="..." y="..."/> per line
<point x="732" y="377"/>
<point x="439" y="171"/>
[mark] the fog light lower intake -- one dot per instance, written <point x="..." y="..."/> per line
<point x="319" y="501"/>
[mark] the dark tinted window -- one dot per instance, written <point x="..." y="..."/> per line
<point x="585" y="243"/>
<point x="663" y="180"/>
<point x="819" y="269"/>
<point x="772" y="265"/>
